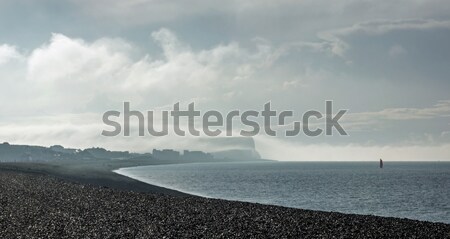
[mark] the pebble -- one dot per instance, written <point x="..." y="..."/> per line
<point x="38" y="206"/>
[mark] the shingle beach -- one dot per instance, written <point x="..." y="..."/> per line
<point x="41" y="206"/>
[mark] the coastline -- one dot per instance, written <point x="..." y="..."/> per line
<point x="116" y="171"/>
<point x="161" y="186"/>
<point x="97" y="173"/>
<point x="52" y="207"/>
<point x="180" y="178"/>
<point x="55" y="202"/>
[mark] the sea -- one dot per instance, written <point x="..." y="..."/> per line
<point x="414" y="190"/>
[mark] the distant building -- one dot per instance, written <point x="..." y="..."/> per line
<point x="61" y="149"/>
<point x="196" y="155"/>
<point x="102" y="153"/>
<point x="166" y="154"/>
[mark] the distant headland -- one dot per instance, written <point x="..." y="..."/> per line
<point x="29" y="153"/>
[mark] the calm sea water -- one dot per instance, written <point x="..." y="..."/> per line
<point x="416" y="190"/>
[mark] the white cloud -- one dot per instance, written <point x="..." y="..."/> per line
<point x="8" y="53"/>
<point x="67" y="74"/>
<point x="69" y="78"/>
<point x="66" y="59"/>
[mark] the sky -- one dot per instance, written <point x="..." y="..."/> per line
<point x="64" y="63"/>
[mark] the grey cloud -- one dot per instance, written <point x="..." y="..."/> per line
<point x="298" y="54"/>
<point x="337" y="37"/>
<point x="441" y="109"/>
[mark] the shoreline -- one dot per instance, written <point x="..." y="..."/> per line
<point x="110" y="179"/>
<point x="90" y="174"/>
<point x="165" y="187"/>
<point x="51" y="206"/>
<point x="177" y="190"/>
<point x="256" y="202"/>
<point x="99" y="172"/>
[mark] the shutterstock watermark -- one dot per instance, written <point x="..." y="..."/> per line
<point x="214" y="123"/>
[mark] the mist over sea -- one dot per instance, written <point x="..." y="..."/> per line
<point x="415" y="190"/>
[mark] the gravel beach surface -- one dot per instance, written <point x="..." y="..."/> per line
<point x="40" y="206"/>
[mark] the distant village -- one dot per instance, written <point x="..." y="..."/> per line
<point x="27" y="153"/>
<point x="188" y="155"/>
